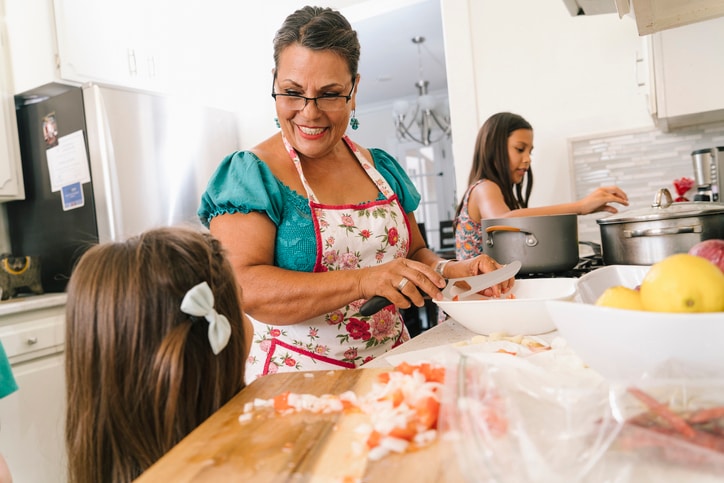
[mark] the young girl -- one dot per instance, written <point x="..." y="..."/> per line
<point x="155" y="343"/>
<point x="501" y="181"/>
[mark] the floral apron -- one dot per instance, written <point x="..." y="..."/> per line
<point x="348" y="237"/>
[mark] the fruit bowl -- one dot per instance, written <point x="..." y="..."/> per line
<point x="523" y="315"/>
<point x="626" y="344"/>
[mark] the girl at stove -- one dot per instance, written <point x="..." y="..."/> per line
<point x="501" y="181"/>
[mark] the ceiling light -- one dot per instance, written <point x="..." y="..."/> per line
<point x="422" y="113"/>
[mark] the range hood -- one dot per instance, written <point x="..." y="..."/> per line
<point x="651" y="15"/>
<point x="590" y="7"/>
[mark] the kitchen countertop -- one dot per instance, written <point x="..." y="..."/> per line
<point x="32" y="302"/>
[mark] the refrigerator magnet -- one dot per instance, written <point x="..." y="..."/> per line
<point x="72" y="196"/>
<point x="50" y="130"/>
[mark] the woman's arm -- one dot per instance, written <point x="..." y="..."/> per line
<point x="486" y="201"/>
<point x="282" y="297"/>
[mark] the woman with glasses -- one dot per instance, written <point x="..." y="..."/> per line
<point x="314" y="224"/>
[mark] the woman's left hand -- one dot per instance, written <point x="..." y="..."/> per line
<point x="475" y="266"/>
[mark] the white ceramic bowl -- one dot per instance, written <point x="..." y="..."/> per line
<point x="627" y="344"/>
<point x="595" y="282"/>
<point x="524" y="315"/>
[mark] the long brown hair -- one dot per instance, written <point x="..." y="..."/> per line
<point x="491" y="160"/>
<point x="140" y="373"/>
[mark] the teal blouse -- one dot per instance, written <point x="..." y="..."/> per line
<point x="243" y="183"/>
<point x="7" y="381"/>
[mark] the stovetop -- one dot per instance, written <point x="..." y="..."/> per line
<point x="585" y="265"/>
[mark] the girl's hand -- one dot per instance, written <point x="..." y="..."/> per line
<point x="600" y="198"/>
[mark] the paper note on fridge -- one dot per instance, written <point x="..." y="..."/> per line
<point x="68" y="161"/>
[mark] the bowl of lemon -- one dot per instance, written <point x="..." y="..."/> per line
<point x="629" y="320"/>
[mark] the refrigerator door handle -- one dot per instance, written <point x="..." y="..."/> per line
<point x="103" y="166"/>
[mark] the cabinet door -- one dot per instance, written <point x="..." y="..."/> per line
<point x="32" y="422"/>
<point x="689" y="69"/>
<point x="110" y="42"/>
<point x="11" y="176"/>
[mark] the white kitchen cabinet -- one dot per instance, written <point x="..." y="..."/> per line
<point x="111" y="42"/>
<point x="657" y="15"/>
<point x="11" y="174"/>
<point x="687" y="72"/>
<point x="32" y="330"/>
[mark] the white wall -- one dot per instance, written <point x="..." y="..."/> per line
<point x="568" y="76"/>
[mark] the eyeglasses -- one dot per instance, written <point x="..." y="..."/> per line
<point x="295" y="102"/>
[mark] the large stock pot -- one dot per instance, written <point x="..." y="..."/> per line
<point x="647" y="235"/>
<point x="543" y="244"/>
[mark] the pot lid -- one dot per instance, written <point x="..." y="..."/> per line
<point x="664" y="210"/>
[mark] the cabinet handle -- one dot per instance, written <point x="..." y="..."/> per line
<point x="31" y="340"/>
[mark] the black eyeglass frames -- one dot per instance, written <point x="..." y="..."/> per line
<point x="296" y="102"/>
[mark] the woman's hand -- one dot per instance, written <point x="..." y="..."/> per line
<point x="475" y="266"/>
<point x="600" y="198"/>
<point x="401" y="281"/>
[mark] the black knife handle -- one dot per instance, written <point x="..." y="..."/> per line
<point x="374" y="305"/>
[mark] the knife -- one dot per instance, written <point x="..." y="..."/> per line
<point x="476" y="282"/>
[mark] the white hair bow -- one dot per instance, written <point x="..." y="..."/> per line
<point x="199" y="301"/>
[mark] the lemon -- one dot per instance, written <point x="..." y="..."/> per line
<point x="683" y="283"/>
<point x="620" y="297"/>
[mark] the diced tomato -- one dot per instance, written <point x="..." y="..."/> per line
<point x="373" y="440"/>
<point x="405" y="368"/>
<point x="281" y="402"/>
<point x="432" y="373"/>
<point x="398" y="397"/>
<point x="406" y="433"/>
<point x="427" y="411"/>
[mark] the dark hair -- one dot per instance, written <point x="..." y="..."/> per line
<point x="491" y="160"/>
<point x="140" y="373"/>
<point x="318" y="28"/>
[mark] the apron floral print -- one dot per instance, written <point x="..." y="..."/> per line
<point x="348" y="237"/>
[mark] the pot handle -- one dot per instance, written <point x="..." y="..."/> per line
<point x="530" y="238"/>
<point x="493" y="228"/>
<point x="675" y="230"/>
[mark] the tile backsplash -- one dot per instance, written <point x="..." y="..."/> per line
<point x="639" y="161"/>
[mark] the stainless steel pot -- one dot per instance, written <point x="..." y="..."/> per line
<point x="647" y="235"/>
<point x="543" y="244"/>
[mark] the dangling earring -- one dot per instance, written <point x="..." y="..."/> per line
<point x="276" y="121"/>
<point x="353" y="122"/>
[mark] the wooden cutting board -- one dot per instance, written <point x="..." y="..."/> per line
<point x="298" y="447"/>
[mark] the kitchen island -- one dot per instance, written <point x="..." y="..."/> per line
<point x="304" y="447"/>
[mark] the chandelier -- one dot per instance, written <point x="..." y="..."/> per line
<point x="422" y="113"/>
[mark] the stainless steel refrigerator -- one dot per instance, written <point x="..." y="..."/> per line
<point x="103" y="163"/>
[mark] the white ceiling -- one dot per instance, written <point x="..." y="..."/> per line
<point x="389" y="65"/>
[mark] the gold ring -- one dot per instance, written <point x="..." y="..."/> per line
<point x="402" y="284"/>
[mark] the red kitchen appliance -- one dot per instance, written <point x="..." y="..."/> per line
<point x="709" y="173"/>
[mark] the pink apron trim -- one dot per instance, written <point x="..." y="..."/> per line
<point x="276" y="342"/>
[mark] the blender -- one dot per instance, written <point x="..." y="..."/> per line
<point x="708" y="173"/>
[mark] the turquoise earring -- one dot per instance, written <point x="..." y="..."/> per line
<point x="353" y="122"/>
<point x="276" y="121"/>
